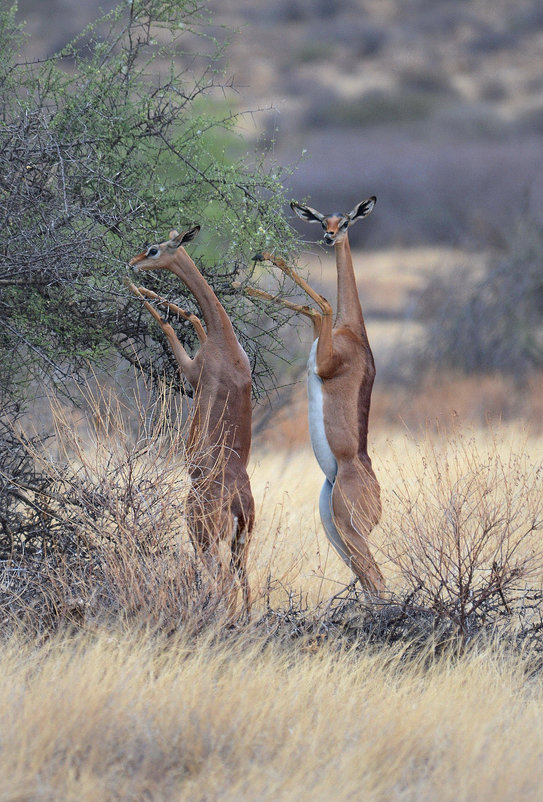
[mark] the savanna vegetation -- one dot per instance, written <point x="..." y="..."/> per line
<point x="124" y="678"/>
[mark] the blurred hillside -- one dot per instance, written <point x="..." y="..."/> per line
<point x="436" y="106"/>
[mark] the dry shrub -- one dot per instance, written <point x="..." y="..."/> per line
<point x="21" y="521"/>
<point x="463" y="527"/>
<point x="490" y="323"/>
<point x="114" y="540"/>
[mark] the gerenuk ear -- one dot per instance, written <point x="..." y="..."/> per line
<point x="362" y="209"/>
<point x="186" y="236"/>
<point x="306" y="213"/>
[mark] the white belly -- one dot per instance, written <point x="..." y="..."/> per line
<point x="327" y="518"/>
<point x="321" y="449"/>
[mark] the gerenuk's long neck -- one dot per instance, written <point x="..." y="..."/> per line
<point x="349" y="310"/>
<point x="217" y="321"/>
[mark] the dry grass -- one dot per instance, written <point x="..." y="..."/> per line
<point x="117" y="716"/>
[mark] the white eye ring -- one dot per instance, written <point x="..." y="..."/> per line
<point x="153" y="252"/>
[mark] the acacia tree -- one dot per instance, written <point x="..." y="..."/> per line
<point x="104" y="147"/>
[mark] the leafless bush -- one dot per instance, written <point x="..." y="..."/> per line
<point x="464" y="527"/>
<point x="24" y="524"/>
<point x="493" y="322"/>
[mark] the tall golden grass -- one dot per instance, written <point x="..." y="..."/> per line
<point x="131" y="716"/>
